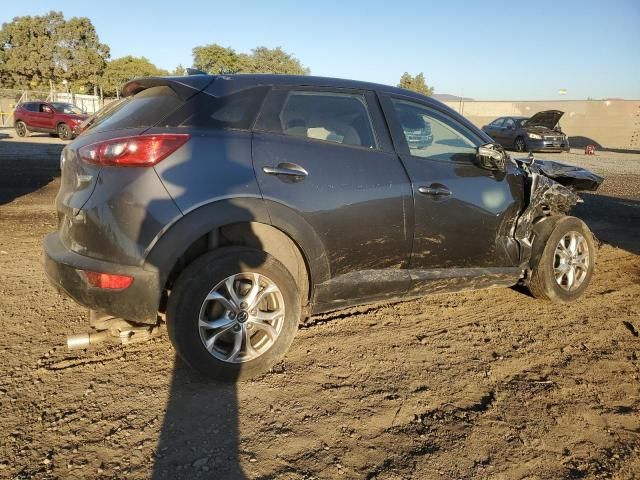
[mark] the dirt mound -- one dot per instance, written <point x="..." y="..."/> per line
<point x="488" y="384"/>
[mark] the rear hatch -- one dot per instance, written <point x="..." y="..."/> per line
<point x="149" y="101"/>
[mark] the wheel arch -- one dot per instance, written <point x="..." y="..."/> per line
<point x="242" y="222"/>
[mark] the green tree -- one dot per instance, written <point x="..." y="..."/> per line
<point x="179" y="71"/>
<point x="417" y="84"/>
<point x="275" y="60"/>
<point x="36" y="50"/>
<point x="80" y="57"/>
<point x="121" y="70"/>
<point x="215" y="59"/>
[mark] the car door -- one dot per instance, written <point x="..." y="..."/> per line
<point x="325" y="156"/>
<point x="494" y="129"/>
<point x="39" y="118"/>
<point x="464" y="214"/>
<point x="48" y="118"/>
<point x="508" y="133"/>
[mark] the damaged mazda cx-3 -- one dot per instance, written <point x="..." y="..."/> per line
<point x="233" y="207"/>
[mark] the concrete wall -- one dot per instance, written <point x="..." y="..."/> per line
<point x="613" y="124"/>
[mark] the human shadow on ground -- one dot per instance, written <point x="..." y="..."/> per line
<point x="199" y="436"/>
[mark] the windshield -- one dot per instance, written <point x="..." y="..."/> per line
<point x="67" y="108"/>
<point x="521" y="122"/>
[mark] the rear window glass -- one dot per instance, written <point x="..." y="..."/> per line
<point x="144" y="109"/>
<point x="236" y="111"/>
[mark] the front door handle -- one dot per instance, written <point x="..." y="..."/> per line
<point x="287" y="169"/>
<point x="436" y="191"/>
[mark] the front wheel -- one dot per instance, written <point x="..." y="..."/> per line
<point x="64" y="132"/>
<point x="233" y="313"/>
<point x="563" y="260"/>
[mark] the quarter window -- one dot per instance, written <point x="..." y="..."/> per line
<point x="340" y="118"/>
<point x="431" y="135"/>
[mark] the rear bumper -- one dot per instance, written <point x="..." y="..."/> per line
<point x="138" y="303"/>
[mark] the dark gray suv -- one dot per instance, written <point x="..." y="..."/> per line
<point x="236" y="206"/>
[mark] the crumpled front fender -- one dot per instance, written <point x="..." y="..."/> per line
<point x="552" y="191"/>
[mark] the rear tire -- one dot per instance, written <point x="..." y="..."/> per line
<point x="21" y="129"/>
<point x="222" y="334"/>
<point x="562" y="261"/>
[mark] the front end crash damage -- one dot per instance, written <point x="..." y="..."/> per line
<point x="552" y="190"/>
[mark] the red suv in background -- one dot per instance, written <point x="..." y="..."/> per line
<point x="57" y="118"/>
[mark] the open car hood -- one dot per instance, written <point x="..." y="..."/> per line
<point x="548" y="119"/>
<point x="570" y="176"/>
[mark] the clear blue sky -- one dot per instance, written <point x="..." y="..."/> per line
<point x="486" y="50"/>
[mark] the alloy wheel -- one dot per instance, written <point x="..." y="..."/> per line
<point x="571" y="261"/>
<point x="241" y="317"/>
<point x="520" y="145"/>
<point x="21" y="129"/>
<point x="63" y="132"/>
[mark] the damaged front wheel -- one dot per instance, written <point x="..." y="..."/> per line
<point x="562" y="261"/>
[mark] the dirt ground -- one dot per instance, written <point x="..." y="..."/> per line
<point x="487" y="384"/>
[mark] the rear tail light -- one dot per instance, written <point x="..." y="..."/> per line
<point x="107" y="281"/>
<point x="139" y="151"/>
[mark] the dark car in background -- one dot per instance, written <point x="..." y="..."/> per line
<point x="236" y="206"/>
<point x="56" y="118"/>
<point x="540" y="133"/>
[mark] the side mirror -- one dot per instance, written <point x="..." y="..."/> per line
<point x="491" y="156"/>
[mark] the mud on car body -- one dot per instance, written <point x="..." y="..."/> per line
<point x="234" y="207"/>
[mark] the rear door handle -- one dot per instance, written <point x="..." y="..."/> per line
<point x="288" y="169"/>
<point x="437" y="191"/>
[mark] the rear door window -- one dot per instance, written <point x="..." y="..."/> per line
<point x="341" y="118"/>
